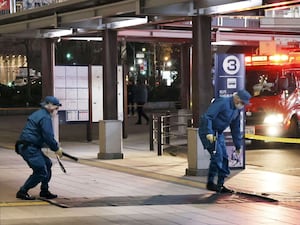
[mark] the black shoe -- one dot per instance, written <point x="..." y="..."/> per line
<point x="47" y="195"/>
<point x="211" y="186"/>
<point x="24" y="196"/>
<point x="138" y="123"/>
<point x="224" y="189"/>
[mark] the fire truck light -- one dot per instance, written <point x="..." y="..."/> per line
<point x="273" y="131"/>
<point x="278" y="58"/>
<point x="273" y="119"/>
<point x="248" y="59"/>
<point x="259" y="58"/>
<point x="267" y="60"/>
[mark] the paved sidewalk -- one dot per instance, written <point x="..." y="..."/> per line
<point x="114" y="192"/>
<point x="143" y="188"/>
<point x="138" y="160"/>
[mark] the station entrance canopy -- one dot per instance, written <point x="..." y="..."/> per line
<point x="233" y="21"/>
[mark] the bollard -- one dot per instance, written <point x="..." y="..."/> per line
<point x="190" y="123"/>
<point x="167" y="127"/>
<point x="110" y="139"/>
<point x="159" y="136"/>
<point x="151" y="135"/>
<point x="198" y="157"/>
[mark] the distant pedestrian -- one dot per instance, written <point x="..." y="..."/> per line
<point x="141" y="97"/>
<point x="37" y="133"/>
<point x="223" y="112"/>
<point x="130" y="97"/>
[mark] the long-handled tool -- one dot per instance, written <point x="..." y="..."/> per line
<point x="70" y="156"/>
<point x="216" y="143"/>
<point x="60" y="164"/>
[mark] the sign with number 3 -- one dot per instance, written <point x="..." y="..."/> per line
<point x="229" y="77"/>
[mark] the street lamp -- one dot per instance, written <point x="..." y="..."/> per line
<point x="169" y="64"/>
<point x="148" y="60"/>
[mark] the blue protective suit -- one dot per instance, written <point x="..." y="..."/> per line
<point x="37" y="133"/>
<point x="219" y="115"/>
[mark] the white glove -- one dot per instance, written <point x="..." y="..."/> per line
<point x="238" y="151"/>
<point x="59" y="152"/>
<point x="210" y="137"/>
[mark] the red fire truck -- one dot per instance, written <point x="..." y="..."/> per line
<point x="274" y="82"/>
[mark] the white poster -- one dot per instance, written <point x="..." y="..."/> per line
<point x="120" y="92"/>
<point x="71" y="105"/>
<point x="82" y="77"/>
<point x="83" y="115"/>
<point x="83" y="93"/>
<point x="71" y="77"/>
<point x="71" y="93"/>
<point x="97" y="93"/>
<point x="60" y="93"/>
<point x="71" y="115"/>
<point x="59" y="77"/>
<point x="83" y="105"/>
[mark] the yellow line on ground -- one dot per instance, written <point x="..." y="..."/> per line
<point x="23" y="203"/>
<point x="272" y="139"/>
<point x="8" y="147"/>
<point x="143" y="173"/>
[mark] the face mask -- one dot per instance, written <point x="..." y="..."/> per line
<point x="54" y="113"/>
<point x="239" y="106"/>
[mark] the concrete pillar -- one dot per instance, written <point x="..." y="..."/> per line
<point x="110" y="107"/>
<point x="198" y="157"/>
<point x="110" y="129"/>
<point x="202" y="90"/>
<point x="185" y="76"/>
<point x="48" y="62"/>
<point x="110" y="139"/>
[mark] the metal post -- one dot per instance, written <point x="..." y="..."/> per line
<point x="28" y="85"/>
<point x="167" y="127"/>
<point x="159" y="136"/>
<point x="89" y="123"/>
<point x="151" y="122"/>
<point x="189" y="122"/>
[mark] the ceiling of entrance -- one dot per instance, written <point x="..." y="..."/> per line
<point x="234" y="22"/>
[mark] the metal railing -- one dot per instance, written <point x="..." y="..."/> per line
<point x="164" y="127"/>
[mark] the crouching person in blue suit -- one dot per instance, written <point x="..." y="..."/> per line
<point x="223" y="112"/>
<point x="37" y="133"/>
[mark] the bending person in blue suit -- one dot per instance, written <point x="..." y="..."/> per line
<point x="223" y="112"/>
<point x="37" y="133"/>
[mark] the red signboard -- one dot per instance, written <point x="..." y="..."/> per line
<point x="4" y="4"/>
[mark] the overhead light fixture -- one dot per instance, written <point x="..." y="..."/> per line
<point x="231" y="7"/>
<point x="127" y="22"/>
<point x="52" y="33"/>
<point x="83" y="38"/>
